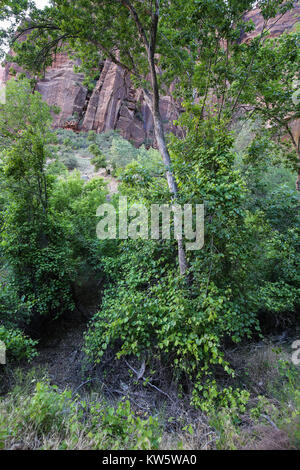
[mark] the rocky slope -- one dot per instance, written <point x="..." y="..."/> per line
<point x="114" y="102"/>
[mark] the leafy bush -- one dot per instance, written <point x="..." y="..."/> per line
<point x="46" y="237"/>
<point x="91" y="136"/>
<point x="99" y="160"/>
<point x="37" y="258"/>
<point x="14" y="310"/>
<point x="18" y="346"/>
<point x="151" y="315"/>
<point x="70" y="162"/>
<point x="48" y="408"/>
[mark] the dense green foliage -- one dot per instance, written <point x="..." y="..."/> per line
<point x="48" y="233"/>
<point x="248" y="267"/>
<point x="237" y="155"/>
<point x="37" y="261"/>
<point x="18" y="346"/>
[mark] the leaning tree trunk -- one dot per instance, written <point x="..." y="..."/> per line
<point x="163" y="149"/>
<point x="298" y="165"/>
<point x="162" y="146"/>
<point x="295" y="137"/>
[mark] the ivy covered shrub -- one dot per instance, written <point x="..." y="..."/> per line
<point x="150" y="312"/>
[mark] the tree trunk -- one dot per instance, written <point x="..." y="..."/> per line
<point x="298" y="178"/>
<point x="150" y="46"/>
<point x="163" y="149"/>
<point x="162" y="146"/>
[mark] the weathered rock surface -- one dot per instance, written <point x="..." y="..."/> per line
<point x="116" y="104"/>
<point x="64" y="88"/>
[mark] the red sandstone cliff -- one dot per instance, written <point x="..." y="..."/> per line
<point x="114" y="102"/>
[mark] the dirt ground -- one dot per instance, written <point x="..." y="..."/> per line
<point x="60" y="354"/>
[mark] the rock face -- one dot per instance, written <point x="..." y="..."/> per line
<point x="275" y="26"/>
<point x="114" y="102"/>
<point x="286" y="23"/>
<point x="64" y="88"/>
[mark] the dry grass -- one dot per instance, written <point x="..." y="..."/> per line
<point x="204" y="437"/>
<point x="257" y="365"/>
<point x="267" y="438"/>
